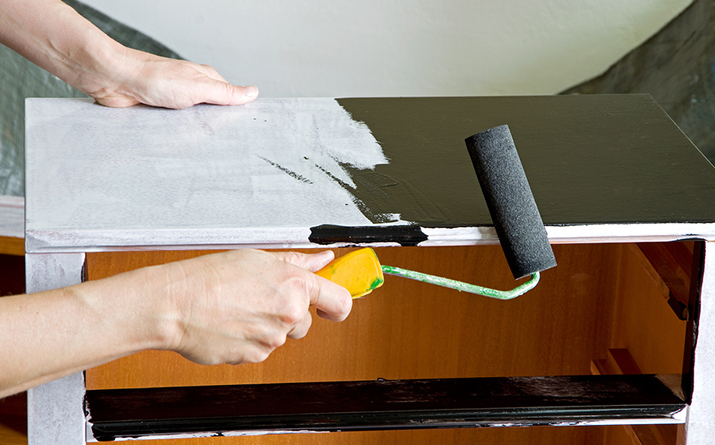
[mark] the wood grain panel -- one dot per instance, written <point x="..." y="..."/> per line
<point x="411" y="330"/>
<point x="10" y="245"/>
<point x="13" y="409"/>
<point x="13" y="420"/>
<point x="644" y="323"/>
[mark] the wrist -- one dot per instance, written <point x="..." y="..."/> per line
<point x="54" y="36"/>
<point x="156" y="294"/>
<point x="135" y="309"/>
<point x="95" y="63"/>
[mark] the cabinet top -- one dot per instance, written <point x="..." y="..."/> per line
<point x="281" y="172"/>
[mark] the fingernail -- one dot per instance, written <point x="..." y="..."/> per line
<point x="251" y="91"/>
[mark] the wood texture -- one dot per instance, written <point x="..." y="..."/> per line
<point x="12" y="275"/>
<point x="410" y="330"/>
<point x="671" y="264"/>
<point x="12" y="246"/>
<point x="13" y="420"/>
<point x="620" y="361"/>
<point x="644" y="323"/>
<point x="647" y="334"/>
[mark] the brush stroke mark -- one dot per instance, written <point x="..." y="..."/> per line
<point x="404" y="235"/>
<point x="427" y="180"/>
<point x="375" y="194"/>
<point x="366" y="205"/>
<point x="289" y="172"/>
<point x="378" y="193"/>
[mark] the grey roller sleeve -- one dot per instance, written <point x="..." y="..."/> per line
<point x="511" y="203"/>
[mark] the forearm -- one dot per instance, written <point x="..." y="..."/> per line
<point x="51" y="334"/>
<point x="54" y="36"/>
<point x="231" y="307"/>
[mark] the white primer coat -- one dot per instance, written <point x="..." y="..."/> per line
<point x="91" y="438"/>
<point x="133" y="174"/>
<point x="700" y="427"/>
<point x="297" y="237"/>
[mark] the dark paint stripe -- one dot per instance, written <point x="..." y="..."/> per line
<point x="405" y="235"/>
<point x="381" y="404"/>
<point x="289" y="172"/>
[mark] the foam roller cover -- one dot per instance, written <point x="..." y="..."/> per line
<point x="511" y="203"/>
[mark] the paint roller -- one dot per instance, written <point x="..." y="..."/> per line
<point x="514" y="213"/>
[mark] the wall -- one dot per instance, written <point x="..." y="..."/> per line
<point x="399" y="47"/>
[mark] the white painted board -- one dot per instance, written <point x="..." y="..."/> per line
<point x="259" y="175"/>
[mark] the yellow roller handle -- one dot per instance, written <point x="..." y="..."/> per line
<point x="359" y="272"/>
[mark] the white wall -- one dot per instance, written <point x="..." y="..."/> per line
<point x="400" y="47"/>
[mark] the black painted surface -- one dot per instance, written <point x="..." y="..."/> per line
<point x="397" y="404"/>
<point x="405" y="235"/>
<point x="595" y="159"/>
<point x="511" y="204"/>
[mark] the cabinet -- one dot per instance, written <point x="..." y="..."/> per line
<point x="626" y="198"/>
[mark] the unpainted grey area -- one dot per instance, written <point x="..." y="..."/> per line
<point x="20" y="79"/>
<point x="677" y="67"/>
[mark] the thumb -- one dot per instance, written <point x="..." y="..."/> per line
<point x="218" y="92"/>
<point x="312" y="262"/>
<point x="332" y="301"/>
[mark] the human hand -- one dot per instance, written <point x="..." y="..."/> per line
<point x="51" y="34"/>
<point x="162" y="82"/>
<point x="238" y="306"/>
<point x="233" y="307"/>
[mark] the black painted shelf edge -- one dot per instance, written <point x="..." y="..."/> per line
<point x="380" y="404"/>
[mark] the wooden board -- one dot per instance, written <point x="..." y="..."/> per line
<point x="603" y="169"/>
<point x="237" y="410"/>
<point x="267" y="174"/>
<point x="410" y="330"/>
